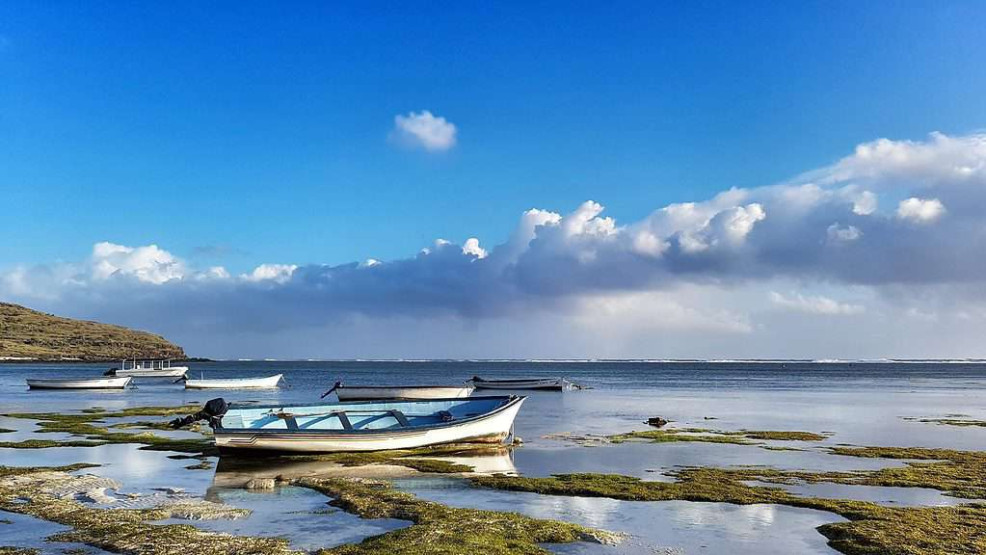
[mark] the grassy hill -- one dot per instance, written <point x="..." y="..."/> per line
<point x="29" y="334"/>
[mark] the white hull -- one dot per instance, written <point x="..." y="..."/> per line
<point x="495" y="427"/>
<point x="355" y="393"/>
<point x="556" y="384"/>
<point x="173" y="372"/>
<point x="92" y="383"/>
<point x="241" y="383"/>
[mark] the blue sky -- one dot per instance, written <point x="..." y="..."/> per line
<point x="262" y="128"/>
<point x="261" y="138"/>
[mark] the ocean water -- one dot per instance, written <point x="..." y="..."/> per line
<point x="854" y="403"/>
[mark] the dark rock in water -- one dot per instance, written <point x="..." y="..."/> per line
<point x="656" y="421"/>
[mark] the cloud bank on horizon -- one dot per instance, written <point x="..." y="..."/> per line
<point x="889" y="240"/>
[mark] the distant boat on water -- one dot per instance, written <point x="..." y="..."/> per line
<point x="374" y="392"/>
<point x="80" y="383"/>
<point x="148" y="369"/>
<point x="366" y="426"/>
<point x="268" y="382"/>
<point x="553" y="384"/>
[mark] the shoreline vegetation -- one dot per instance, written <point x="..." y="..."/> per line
<point x="869" y="529"/>
<point x="31" y="336"/>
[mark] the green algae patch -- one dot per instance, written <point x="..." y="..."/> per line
<point x="963" y="422"/>
<point x="783" y="435"/>
<point x="957" y="473"/>
<point x="742" y="437"/>
<point x="914" y="531"/>
<point x="670" y="436"/>
<point x="8" y="550"/>
<point x="46" y="443"/>
<point x="201" y="465"/>
<point x="84" y="425"/>
<point x="40" y="492"/>
<point x="7" y="471"/>
<point x="441" y="530"/>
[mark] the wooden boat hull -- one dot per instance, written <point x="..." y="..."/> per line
<point x="269" y="382"/>
<point x="492" y="426"/>
<point x="549" y="384"/>
<point x="362" y="393"/>
<point x="173" y="372"/>
<point x="88" y="383"/>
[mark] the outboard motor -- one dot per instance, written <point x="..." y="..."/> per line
<point x="212" y="412"/>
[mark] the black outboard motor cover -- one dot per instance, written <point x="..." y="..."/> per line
<point x="212" y="412"/>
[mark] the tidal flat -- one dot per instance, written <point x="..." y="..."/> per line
<point x="806" y="460"/>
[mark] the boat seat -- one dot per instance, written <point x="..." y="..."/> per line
<point x="400" y="418"/>
<point x="289" y="419"/>
<point x="344" y="419"/>
<point x="340" y="414"/>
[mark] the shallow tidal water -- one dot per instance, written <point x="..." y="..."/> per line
<point x="859" y="404"/>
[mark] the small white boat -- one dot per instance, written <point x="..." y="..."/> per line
<point x="366" y="426"/>
<point x="373" y="392"/>
<point x="554" y="384"/>
<point x="148" y="369"/>
<point x="269" y="382"/>
<point x="80" y="383"/>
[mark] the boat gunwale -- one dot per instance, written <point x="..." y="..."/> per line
<point x="511" y="401"/>
<point x="344" y="386"/>
<point x="107" y="382"/>
<point x="482" y="380"/>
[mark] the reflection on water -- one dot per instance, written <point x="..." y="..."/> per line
<point x="29" y="532"/>
<point x="861" y="404"/>
<point x="234" y="472"/>
<point x="648" y="460"/>
<point x="299" y="514"/>
<point x="139" y="471"/>
<point x="903" y="497"/>
<point x="653" y="527"/>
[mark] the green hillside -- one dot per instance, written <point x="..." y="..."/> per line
<point x="29" y="334"/>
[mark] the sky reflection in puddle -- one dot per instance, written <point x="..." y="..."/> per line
<point x="654" y="526"/>
<point x="299" y="514"/>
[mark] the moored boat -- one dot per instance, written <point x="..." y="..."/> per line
<point x="373" y="392"/>
<point x="79" y="383"/>
<point x="366" y="426"/>
<point x="148" y="369"/>
<point x="554" y="384"/>
<point x="268" y="382"/>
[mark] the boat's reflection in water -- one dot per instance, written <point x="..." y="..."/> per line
<point x="250" y="472"/>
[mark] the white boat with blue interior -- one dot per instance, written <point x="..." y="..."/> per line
<point x="367" y="426"/>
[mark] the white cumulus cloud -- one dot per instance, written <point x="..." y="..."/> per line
<point x="920" y="210"/>
<point x="424" y="129"/>
<point x="278" y="273"/>
<point x="822" y="231"/>
<point x="472" y="248"/>
<point x="150" y="264"/>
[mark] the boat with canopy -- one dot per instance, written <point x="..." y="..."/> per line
<point x="148" y="369"/>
